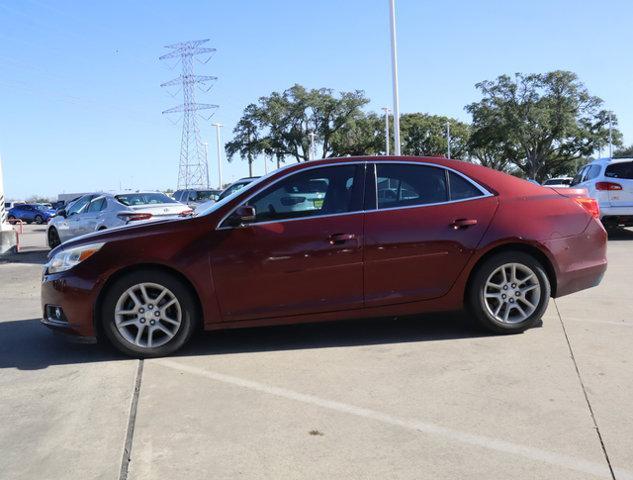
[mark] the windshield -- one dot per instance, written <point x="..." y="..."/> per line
<point x="134" y="199"/>
<point x="201" y="195"/>
<point x="41" y="207"/>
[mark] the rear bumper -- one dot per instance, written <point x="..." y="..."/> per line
<point x="581" y="260"/>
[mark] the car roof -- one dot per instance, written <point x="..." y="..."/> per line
<point x="609" y="161"/>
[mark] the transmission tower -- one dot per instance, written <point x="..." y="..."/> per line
<point x="193" y="170"/>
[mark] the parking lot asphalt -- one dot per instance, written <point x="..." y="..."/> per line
<point x="427" y="397"/>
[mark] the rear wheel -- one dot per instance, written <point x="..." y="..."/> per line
<point x="509" y="292"/>
<point x="53" y="237"/>
<point x="148" y="314"/>
<point x="11" y="219"/>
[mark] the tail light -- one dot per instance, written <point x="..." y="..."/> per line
<point x="608" y="186"/>
<point x="590" y="205"/>
<point x="131" y="216"/>
<point x="186" y="213"/>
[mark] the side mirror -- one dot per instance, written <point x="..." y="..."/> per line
<point x="61" y="212"/>
<point x="245" y="214"/>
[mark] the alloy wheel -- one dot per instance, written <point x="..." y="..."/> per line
<point x="148" y="315"/>
<point x="512" y="293"/>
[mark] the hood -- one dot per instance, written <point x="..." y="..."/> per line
<point x="126" y="231"/>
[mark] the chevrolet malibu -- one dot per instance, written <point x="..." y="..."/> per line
<point x="382" y="236"/>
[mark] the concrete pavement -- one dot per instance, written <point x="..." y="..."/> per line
<point x="429" y="397"/>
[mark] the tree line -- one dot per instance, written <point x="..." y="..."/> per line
<point x="532" y="125"/>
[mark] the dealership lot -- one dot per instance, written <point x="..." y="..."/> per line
<point x="429" y="397"/>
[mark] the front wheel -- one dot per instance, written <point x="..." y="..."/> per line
<point x="148" y="314"/>
<point x="53" y="238"/>
<point x="509" y="292"/>
<point x="39" y="219"/>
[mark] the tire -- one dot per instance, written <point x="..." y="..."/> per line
<point x="39" y="219"/>
<point x="123" y="329"/>
<point x="53" y="238"/>
<point x="11" y="219"/>
<point x="488" y="302"/>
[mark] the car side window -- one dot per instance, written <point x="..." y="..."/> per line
<point x="592" y="172"/>
<point x="96" y="205"/>
<point x="402" y="185"/>
<point x="578" y="178"/>
<point x="78" y="205"/>
<point x="315" y="192"/>
<point x="460" y="188"/>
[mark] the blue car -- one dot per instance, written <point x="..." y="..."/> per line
<point x="30" y="213"/>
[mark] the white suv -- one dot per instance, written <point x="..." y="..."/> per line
<point x="611" y="183"/>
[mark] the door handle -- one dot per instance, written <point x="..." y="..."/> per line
<point x="463" y="223"/>
<point x="338" y="238"/>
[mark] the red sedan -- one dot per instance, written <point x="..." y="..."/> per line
<point x="327" y="240"/>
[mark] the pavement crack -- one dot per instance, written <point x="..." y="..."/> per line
<point x="584" y="391"/>
<point x="131" y="422"/>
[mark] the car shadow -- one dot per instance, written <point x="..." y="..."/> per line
<point x="27" y="345"/>
<point x="35" y="257"/>
<point x="621" y="234"/>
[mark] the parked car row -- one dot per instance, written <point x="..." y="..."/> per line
<point x="100" y="211"/>
<point x="30" y="212"/>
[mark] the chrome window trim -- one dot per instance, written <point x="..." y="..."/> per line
<point x="484" y="191"/>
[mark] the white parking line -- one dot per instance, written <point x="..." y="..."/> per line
<point x="565" y="461"/>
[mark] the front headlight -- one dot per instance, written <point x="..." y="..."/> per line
<point x="67" y="259"/>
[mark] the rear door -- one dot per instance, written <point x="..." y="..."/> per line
<point x="622" y="174"/>
<point x="88" y="221"/>
<point x="422" y="225"/>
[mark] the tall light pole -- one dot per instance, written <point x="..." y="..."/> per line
<point x="394" y="69"/>
<point x="448" y="139"/>
<point x="610" y="138"/>
<point x="217" y="134"/>
<point x="206" y="162"/>
<point x="387" y="111"/>
<point x="311" y="154"/>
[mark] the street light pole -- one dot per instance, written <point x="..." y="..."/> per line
<point x="311" y="152"/>
<point x="206" y="162"/>
<point x="610" y="138"/>
<point x="394" y="69"/>
<point x="219" y="148"/>
<point x="448" y="139"/>
<point x="387" y="111"/>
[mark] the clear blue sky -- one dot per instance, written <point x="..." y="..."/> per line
<point x="80" y="102"/>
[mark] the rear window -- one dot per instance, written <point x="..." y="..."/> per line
<point x="134" y="199"/>
<point x="620" y="170"/>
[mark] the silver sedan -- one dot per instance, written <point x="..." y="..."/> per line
<point x="112" y="210"/>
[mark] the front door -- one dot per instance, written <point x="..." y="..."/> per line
<point x="422" y="228"/>
<point x="303" y="253"/>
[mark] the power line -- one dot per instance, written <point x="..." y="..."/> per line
<point x="193" y="169"/>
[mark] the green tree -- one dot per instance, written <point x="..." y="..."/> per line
<point x="280" y="124"/>
<point x="624" y="152"/>
<point x="423" y="134"/>
<point x="364" y="134"/>
<point x="541" y="123"/>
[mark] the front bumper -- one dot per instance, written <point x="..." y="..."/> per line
<point x="75" y="297"/>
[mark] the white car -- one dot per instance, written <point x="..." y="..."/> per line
<point x="611" y="183"/>
<point x="558" y="182"/>
<point x="95" y="212"/>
